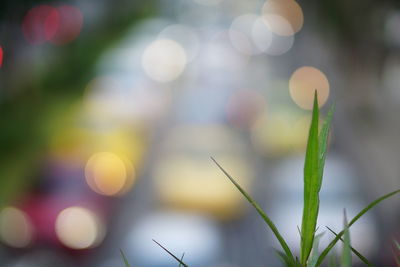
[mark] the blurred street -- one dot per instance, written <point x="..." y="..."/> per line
<point x="111" y="112"/>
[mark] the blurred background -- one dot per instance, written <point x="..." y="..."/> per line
<point x="110" y="111"/>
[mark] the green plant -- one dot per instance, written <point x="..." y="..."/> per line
<point x="181" y="263"/>
<point x="124" y="258"/>
<point x="313" y="174"/>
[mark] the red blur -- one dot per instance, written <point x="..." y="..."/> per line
<point x="57" y="25"/>
<point x="1" y="56"/>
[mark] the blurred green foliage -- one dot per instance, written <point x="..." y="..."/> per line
<point x="27" y="106"/>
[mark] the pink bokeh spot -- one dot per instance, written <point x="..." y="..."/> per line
<point x="40" y="24"/>
<point x="57" y="25"/>
<point x="1" y="56"/>
<point x="69" y="26"/>
<point x="51" y="24"/>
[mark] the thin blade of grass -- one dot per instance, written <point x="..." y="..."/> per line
<point x="311" y="187"/>
<point x="125" y="259"/>
<point x="357" y="253"/>
<point x="346" y="250"/>
<point x="323" y="143"/>
<point x="170" y="253"/>
<point x="358" y="216"/>
<point x="183" y="255"/>
<point x="263" y="215"/>
<point x="314" y="252"/>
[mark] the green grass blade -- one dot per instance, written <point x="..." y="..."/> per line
<point x="346" y="251"/>
<point x="180" y="264"/>
<point x="323" y="143"/>
<point x="268" y="221"/>
<point x="357" y="253"/>
<point x="172" y="255"/>
<point x="314" y="252"/>
<point x="311" y="187"/>
<point x="358" y="216"/>
<point x="125" y="259"/>
<point x="332" y="260"/>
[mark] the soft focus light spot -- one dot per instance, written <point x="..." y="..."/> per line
<point x="128" y="145"/>
<point x="188" y="183"/>
<point x="278" y="24"/>
<point x="79" y="228"/>
<point x="69" y="25"/>
<point x="303" y="83"/>
<point x="184" y="179"/>
<point x="251" y="34"/>
<point x="290" y="10"/>
<point x="241" y="35"/>
<point x="268" y="41"/>
<point x="107" y="174"/>
<point x="281" y="132"/>
<point x="52" y="24"/>
<point x="164" y="60"/>
<point x="1" y="56"/>
<point x="280" y="45"/>
<point x="272" y="135"/>
<point x="40" y="24"/>
<point x="261" y="35"/>
<point x="16" y="229"/>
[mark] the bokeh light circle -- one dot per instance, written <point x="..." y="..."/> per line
<point x="69" y="25"/>
<point x="16" y="229"/>
<point x="58" y="25"/>
<point x="268" y="41"/>
<point x="261" y="35"/>
<point x="108" y="174"/>
<point x="290" y="10"/>
<point x="40" y="24"/>
<point x="240" y="34"/>
<point x="164" y="60"/>
<point x="79" y="228"/>
<point x="278" y="24"/>
<point x="303" y="83"/>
